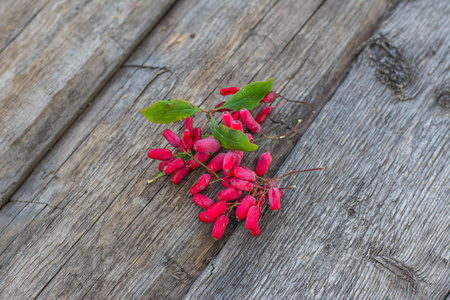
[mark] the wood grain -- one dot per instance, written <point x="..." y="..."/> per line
<point x="54" y="57"/>
<point x="105" y="233"/>
<point x="375" y="224"/>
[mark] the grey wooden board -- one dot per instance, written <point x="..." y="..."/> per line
<point x="376" y="222"/>
<point x="105" y="233"/>
<point x="54" y="57"/>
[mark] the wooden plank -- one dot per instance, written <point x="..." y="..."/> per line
<point x="118" y="237"/>
<point x="375" y="224"/>
<point x="53" y="61"/>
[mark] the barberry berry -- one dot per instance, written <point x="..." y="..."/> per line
<point x="197" y="134"/>
<point x="255" y="231"/>
<point x="263" y="114"/>
<point x="216" y="163"/>
<point x="216" y="209"/>
<point x="207" y="145"/>
<point x="173" y="166"/>
<point x="269" y="97"/>
<point x="226" y="182"/>
<point x="222" y="109"/>
<point x="229" y="162"/>
<point x="189" y="125"/>
<point x="244" y="173"/>
<point x="229" y="91"/>
<point x="203" y="201"/>
<point x="227" y="118"/>
<point x="250" y="137"/>
<point x="274" y="198"/>
<point x="164" y="163"/>
<point x="201" y="157"/>
<point x="242" y="185"/>
<point x="252" y="217"/>
<point x="172" y="138"/>
<point x="248" y="120"/>
<point x="160" y="154"/>
<point x="242" y="210"/>
<point x="179" y="175"/>
<point x="263" y="164"/>
<point x="236" y="115"/>
<point x="237" y="125"/>
<point x="203" y="218"/>
<point x="219" y="227"/>
<point x="188" y="142"/>
<point x="229" y="194"/>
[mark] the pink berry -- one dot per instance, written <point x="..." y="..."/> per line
<point x="238" y="159"/>
<point x="229" y="91"/>
<point x="216" y="163"/>
<point x="201" y="157"/>
<point x="189" y="124"/>
<point x="229" y="194"/>
<point x="164" y="163"/>
<point x="242" y="185"/>
<point x="236" y="115"/>
<point x="269" y="97"/>
<point x="172" y="138"/>
<point x="216" y="210"/>
<point x="263" y="114"/>
<point x="250" y="137"/>
<point x="237" y="125"/>
<point x="242" y="210"/>
<point x="252" y="217"/>
<point x="201" y="185"/>
<point x="188" y="142"/>
<point x="179" y="175"/>
<point x="229" y="163"/>
<point x="203" y="201"/>
<point x="274" y="198"/>
<point x="248" y="120"/>
<point x="226" y="182"/>
<point x="173" y="166"/>
<point x="255" y="231"/>
<point x="244" y="173"/>
<point x="208" y="145"/>
<point x="219" y="227"/>
<point x="160" y="154"/>
<point x="227" y="118"/>
<point x="197" y="134"/>
<point x="263" y="164"/>
<point x="203" y="218"/>
<point x="240" y="153"/>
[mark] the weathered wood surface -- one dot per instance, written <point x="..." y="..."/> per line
<point x="376" y="222"/>
<point x="85" y="224"/>
<point x="54" y="57"/>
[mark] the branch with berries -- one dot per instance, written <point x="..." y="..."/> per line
<point x="246" y="191"/>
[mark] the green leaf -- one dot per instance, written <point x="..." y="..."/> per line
<point x="231" y="138"/>
<point x="183" y="156"/>
<point x="249" y="96"/>
<point x="169" y="111"/>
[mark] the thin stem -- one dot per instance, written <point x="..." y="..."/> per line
<point x="297" y="101"/>
<point x="295" y="172"/>
<point x="157" y="176"/>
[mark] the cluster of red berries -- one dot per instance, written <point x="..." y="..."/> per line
<point x="195" y="150"/>
<point x="244" y="190"/>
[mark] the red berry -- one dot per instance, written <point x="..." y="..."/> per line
<point x="248" y="120"/>
<point x="264" y="113"/>
<point x="229" y="91"/>
<point x="179" y="175"/>
<point x="242" y="185"/>
<point x="203" y="201"/>
<point x="219" y="227"/>
<point x="229" y="194"/>
<point x="240" y="153"/>
<point x="238" y="159"/>
<point x="242" y="210"/>
<point x="164" y="163"/>
<point x="160" y="154"/>
<point x="250" y="137"/>
<point x="173" y="166"/>
<point x="216" y="210"/>
<point x="252" y="217"/>
<point x="226" y="182"/>
<point x="236" y="124"/>
<point x="201" y="157"/>
<point x="227" y="118"/>
<point x="189" y="124"/>
<point x="202" y="184"/>
<point x="207" y="145"/>
<point x="255" y="231"/>
<point x="222" y="109"/>
<point x="263" y="164"/>
<point x="216" y="163"/>
<point x="197" y="134"/>
<point x="236" y="115"/>
<point x="188" y="142"/>
<point x="274" y="198"/>
<point x="269" y="97"/>
<point x="229" y="163"/>
<point x="172" y="138"/>
<point x="244" y="173"/>
<point x="203" y="218"/>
